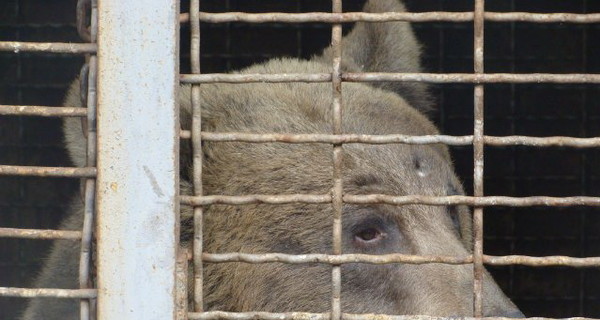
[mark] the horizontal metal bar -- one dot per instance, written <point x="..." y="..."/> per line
<point x="571" y="142"/>
<point x="473" y="78"/>
<point x="214" y="315"/>
<point x="542" y="261"/>
<point x="562" y="17"/>
<point x="254" y="77"/>
<point x="399" y="258"/>
<point x="325" y="17"/>
<point x="395" y="200"/>
<point x="433" y="16"/>
<point x="332" y="259"/>
<point x="395" y="138"/>
<point x="475" y="201"/>
<point x="249" y="199"/>
<point x="87" y="172"/>
<point x="42" y="111"/>
<point x="336" y="139"/>
<point x="393" y="77"/>
<point x="39" y="234"/>
<point x="53" y="47"/>
<point x="49" y="293"/>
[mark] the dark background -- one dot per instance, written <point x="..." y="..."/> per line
<point x="522" y="109"/>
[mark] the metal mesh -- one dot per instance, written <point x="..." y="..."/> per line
<point x="511" y="109"/>
<point x="477" y="139"/>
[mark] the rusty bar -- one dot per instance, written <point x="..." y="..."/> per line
<point x="542" y="261"/>
<point x="248" y="199"/>
<point x="6" y="170"/>
<point x="571" y="142"/>
<point x="333" y="259"/>
<point x="225" y="315"/>
<point x="337" y="138"/>
<point x="572" y="78"/>
<point x="42" y="111"/>
<point x="48" y="293"/>
<point x="478" y="146"/>
<point x="433" y="16"/>
<point x="326" y="17"/>
<point x="215" y="315"/>
<point x="574" y="262"/>
<point x="564" y="17"/>
<point x="196" y="131"/>
<point x="254" y="77"/>
<point x="88" y="98"/>
<point x="477" y="78"/>
<point x="475" y="201"/>
<point x="557" y="141"/>
<point x="85" y="257"/>
<point x="47" y="47"/>
<point x="395" y="200"/>
<point x="39" y="234"/>
<point x="338" y="156"/>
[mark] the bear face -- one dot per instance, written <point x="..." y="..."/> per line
<point x="236" y="168"/>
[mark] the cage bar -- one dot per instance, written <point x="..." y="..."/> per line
<point x="571" y="142"/>
<point x="574" y="78"/>
<point x="42" y="111"/>
<point x="338" y="156"/>
<point x="49" y="293"/>
<point x="39" y="234"/>
<point x="53" y="47"/>
<point x="88" y="96"/>
<point x="478" y="145"/>
<point x="401" y="258"/>
<point x="138" y="173"/>
<point x="198" y="158"/>
<point x="434" y="16"/>
<point x="149" y="174"/>
<point x="224" y="315"/>
<point x="484" y="201"/>
<point x="34" y="171"/>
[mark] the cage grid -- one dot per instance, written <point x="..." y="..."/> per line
<point x="478" y="140"/>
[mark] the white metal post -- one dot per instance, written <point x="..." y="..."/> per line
<point x="138" y="147"/>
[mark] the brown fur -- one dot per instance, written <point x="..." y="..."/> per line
<point x="242" y="168"/>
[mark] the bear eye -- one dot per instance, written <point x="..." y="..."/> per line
<point x="368" y="235"/>
<point x="370" y="232"/>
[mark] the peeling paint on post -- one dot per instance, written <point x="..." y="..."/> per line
<point x="138" y="172"/>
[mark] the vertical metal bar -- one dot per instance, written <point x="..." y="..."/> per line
<point x="138" y="167"/>
<point x="583" y="172"/>
<point x="338" y="152"/>
<point x="514" y="150"/>
<point x="89" y="192"/>
<point x="197" y="154"/>
<point x="86" y="308"/>
<point x="182" y="285"/>
<point x="478" y="147"/>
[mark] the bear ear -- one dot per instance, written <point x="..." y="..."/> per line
<point x="385" y="47"/>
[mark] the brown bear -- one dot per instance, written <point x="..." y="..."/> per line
<point x="236" y="168"/>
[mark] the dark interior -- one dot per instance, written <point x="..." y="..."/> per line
<point x="510" y="109"/>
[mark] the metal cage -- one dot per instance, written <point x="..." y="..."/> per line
<point x="470" y="142"/>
